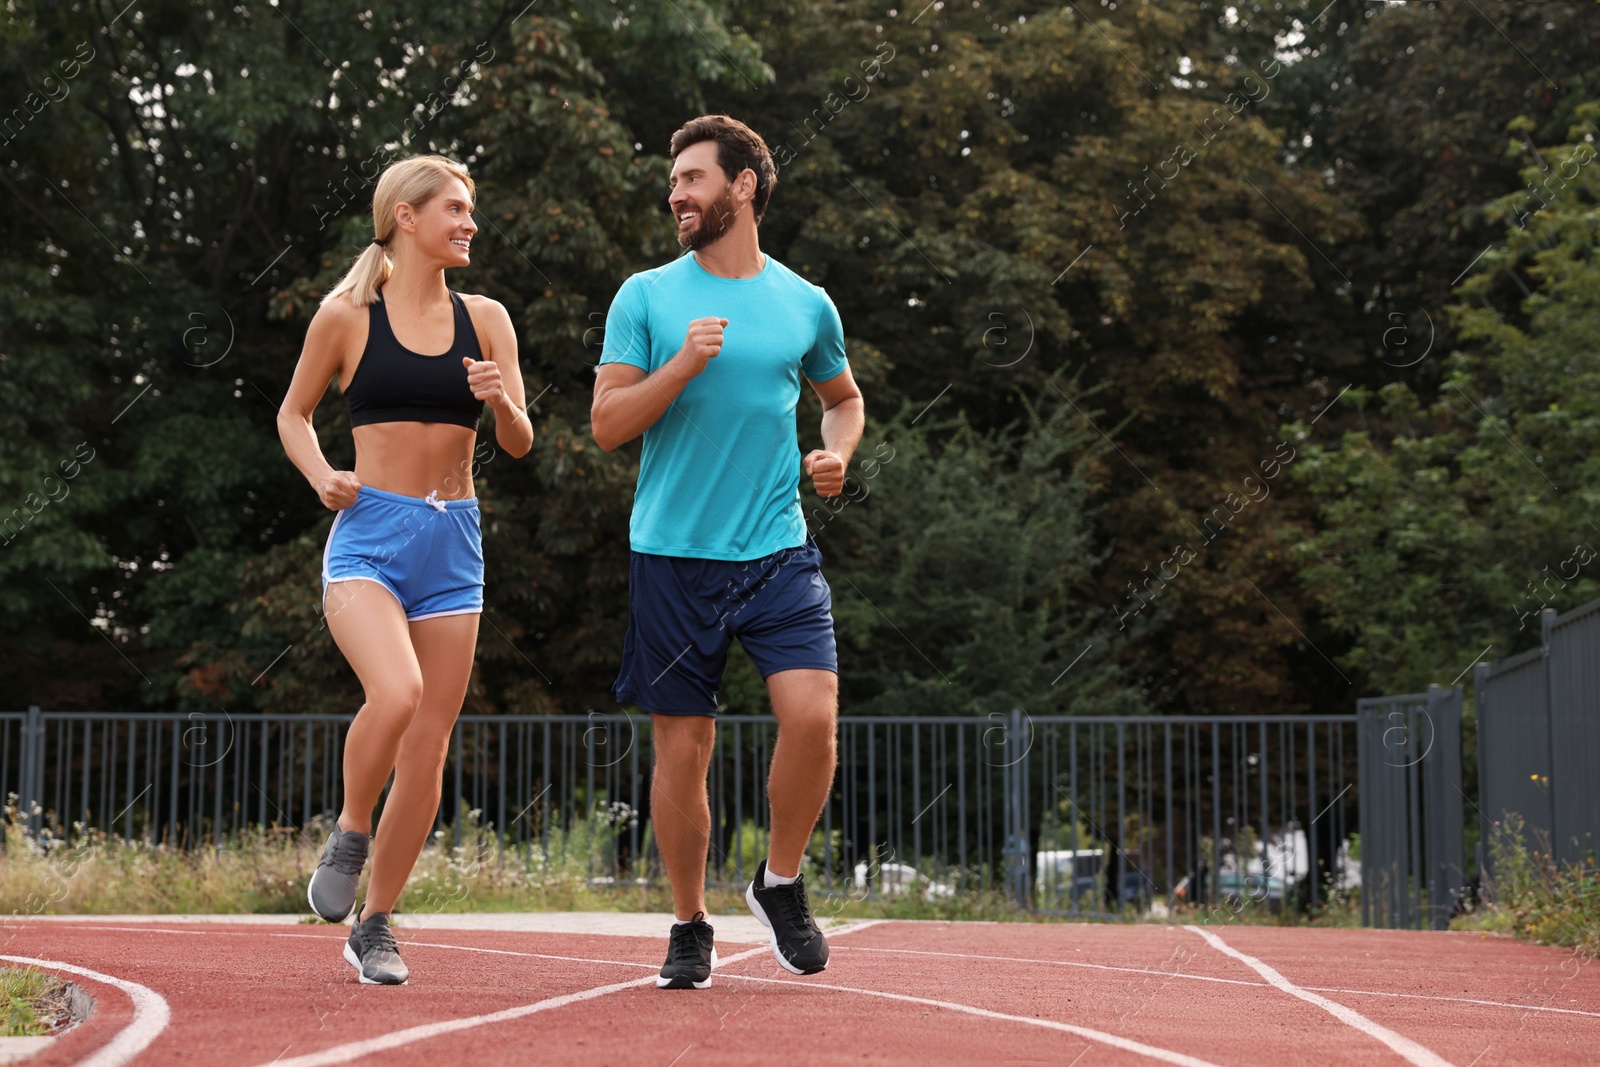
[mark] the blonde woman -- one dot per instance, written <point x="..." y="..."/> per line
<point x="403" y="569"/>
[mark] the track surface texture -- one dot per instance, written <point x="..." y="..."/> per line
<point x="915" y="993"/>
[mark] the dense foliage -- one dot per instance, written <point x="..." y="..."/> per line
<point x="1246" y="350"/>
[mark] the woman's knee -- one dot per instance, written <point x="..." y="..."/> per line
<point x="399" y="695"/>
<point x="423" y="752"/>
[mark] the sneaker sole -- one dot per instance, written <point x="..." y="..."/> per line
<point x="355" y="961"/>
<point x="318" y="912"/>
<point x="761" y="916"/>
<point x="678" y="983"/>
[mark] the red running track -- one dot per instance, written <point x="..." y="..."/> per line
<point x="894" y="993"/>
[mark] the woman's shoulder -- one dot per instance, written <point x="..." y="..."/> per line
<point x="484" y="308"/>
<point x="491" y="322"/>
<point x="339" y="315"/>
<point x="339" y="309"/>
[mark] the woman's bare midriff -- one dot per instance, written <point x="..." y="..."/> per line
<point x="416" y="458"/>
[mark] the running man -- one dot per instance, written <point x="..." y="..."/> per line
<point x="402" y="573"/>
<point x="704" y="357"/>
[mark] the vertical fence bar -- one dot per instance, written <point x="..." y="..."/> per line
<point x="1266" y="816"/>
<point x="172" y="787"/>
<point x="450" y="806"/>
<point x="1311" y="810"/>
<point x="1122" y="818"/>
<point x="63" y="744"/>
<point x="32" y="771"/>
<point x="877" y="844"/>
<point x="1166" y="793"/>
<point x="916" y="796"/>
<point x="961" y="805"/>
<point x="127" y="811"/>
<point x="87" y="775"/>
<point x="1216" y="811"/>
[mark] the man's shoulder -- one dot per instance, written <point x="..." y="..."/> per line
<point x="801" y="286"/>
<point x="644" y="282"/>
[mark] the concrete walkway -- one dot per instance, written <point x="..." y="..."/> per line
<point x="741" y="927"/>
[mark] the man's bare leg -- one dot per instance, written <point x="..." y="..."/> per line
<point x="680" y="810"/>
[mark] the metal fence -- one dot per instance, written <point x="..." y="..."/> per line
<point x="1539" y="738"/>
<point x="1413" y="852"/>
<point x="1092" y="814"/>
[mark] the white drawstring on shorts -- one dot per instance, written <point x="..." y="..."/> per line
<point x="432" y="499"/>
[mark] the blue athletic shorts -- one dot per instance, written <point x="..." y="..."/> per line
<point x="426" y="551"/>
<point x="683" y="615"/>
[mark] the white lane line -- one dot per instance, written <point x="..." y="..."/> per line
<point x="332" y="939"/>
<point x="530" y="955"/>
<point x="862" y="925"/>
<point x="1126" y="1044"/>
<point x="355" y="1050"/>
<point x="1507" y="1005"/>
<point x="97" y="927"/>
<point x="1404" y="1046"/>
<point x="1459" y="1000"/>
<point x="150" y="1014"/>
<point x="1061" y="963"/>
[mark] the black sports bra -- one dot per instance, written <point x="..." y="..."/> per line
<point x="395" y="384"/>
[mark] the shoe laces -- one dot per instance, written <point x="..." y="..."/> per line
<point x="377" y="934"/>
<point x="690" y="940"/>
<point x="794" y="905"/>
<point x="347" y="855"/>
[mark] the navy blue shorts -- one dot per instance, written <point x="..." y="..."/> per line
<point x="683" y="615"/>
<point x="426" y="551"/>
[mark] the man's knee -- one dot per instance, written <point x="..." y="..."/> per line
<point x="682" y="741"/>
<point x="816" y="723"/>
<point x="806" y="702"/>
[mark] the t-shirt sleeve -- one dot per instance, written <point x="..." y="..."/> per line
<point x="627" y="338"/>
<point x="826" y="359"/>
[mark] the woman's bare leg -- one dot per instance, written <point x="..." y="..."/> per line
<point x="445" y="647"/>
<point x="370" y="628"/>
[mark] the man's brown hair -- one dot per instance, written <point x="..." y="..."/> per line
<point x="738" y="147"/>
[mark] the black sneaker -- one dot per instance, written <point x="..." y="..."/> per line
<point x="373" y="952"/>
<point x="691" y="955"/>
<point x="797" y="941"/>
<point x="332" y="889"/>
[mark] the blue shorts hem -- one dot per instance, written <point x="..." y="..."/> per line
<point x="833" y="667"/>
<point x="328" y="580"/>
<point x="678" y="714"/>
<point x="625" y="699"/>
<point x="476" y="609"/>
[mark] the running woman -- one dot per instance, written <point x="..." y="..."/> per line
<point x="704" y="358"/>
<point x="402" y="573"/>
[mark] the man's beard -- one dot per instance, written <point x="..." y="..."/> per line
<point x="712" y="224"/>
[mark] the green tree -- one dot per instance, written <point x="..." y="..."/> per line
<point x="962" y="566"/>
<point x="199" y="181"/>
<point x="1449" y="529"/>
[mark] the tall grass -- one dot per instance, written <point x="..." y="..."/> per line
<point x="1533" y="897"/>
<point x="264" y="871"/>
<point x="84" y="871"/>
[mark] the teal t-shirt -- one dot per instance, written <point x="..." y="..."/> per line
<point x="719" y="477"/>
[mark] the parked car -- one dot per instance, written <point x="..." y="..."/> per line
<point x="1068" y="877"/>
<point x="896" y="878"/>
<point x="1232" y="888"/>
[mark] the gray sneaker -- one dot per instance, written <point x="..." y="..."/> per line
<point x="373" y="952"/>
<point x="332" y="891"/>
